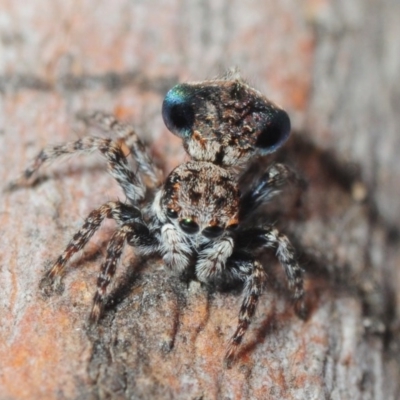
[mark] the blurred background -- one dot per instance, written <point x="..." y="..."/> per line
<point x="333" y="65"/>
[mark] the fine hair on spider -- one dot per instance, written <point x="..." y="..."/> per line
<point x="196" y="218"/>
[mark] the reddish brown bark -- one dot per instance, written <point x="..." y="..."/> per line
<point x="335" y="67"/>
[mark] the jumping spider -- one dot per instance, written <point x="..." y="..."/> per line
<point x="197" y="219"/>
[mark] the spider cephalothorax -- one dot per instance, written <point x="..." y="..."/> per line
<point x="208" y="205"/>
<point x="196" y="219"/>
<point x="224" y="122"/>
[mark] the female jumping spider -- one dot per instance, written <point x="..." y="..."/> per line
<point x="196" y="220"/>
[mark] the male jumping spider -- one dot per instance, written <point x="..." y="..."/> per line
<point x="197" y="220"/>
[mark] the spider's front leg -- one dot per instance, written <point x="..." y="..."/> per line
<point x="294" y="273"/>
<point x="254" y="276"/>
<point x="219" y="262"/>
<point x="136" y="234"/>
<point x="120" y="212"/>
<point x="254" y="240"/>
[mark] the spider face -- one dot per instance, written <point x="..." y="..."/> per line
<point x="188" y="219"/>
<point x="224" y="122"/>
<point x="201" y="198"/>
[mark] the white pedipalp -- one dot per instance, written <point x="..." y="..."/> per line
<point x="212" y="259"/>
<point x="174" y="248"/>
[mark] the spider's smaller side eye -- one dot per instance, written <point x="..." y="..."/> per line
<point x="212" y="232"/>
<point x="189" y="226"/>
<point x="172" y="213"/>
<point x="178" y="112"/>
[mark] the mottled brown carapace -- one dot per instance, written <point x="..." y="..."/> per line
<point x="211" y="202"/>
<point x="196" y="218"/>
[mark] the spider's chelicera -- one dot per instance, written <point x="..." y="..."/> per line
<point x="197" y="219"/>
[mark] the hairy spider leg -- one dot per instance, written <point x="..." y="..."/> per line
<point x="287" y="257"/>
<point x="254" y="284"/>
<point x="269" y="237"/>
<point x="107" y="270"/>
<point x="136" y="234"/>
<point x="120" y="212"/>
<point x="118" y="167"/>
<point x="265" y="188"/>
<point x="253" y="240"/>
<point x="109" y="124"/>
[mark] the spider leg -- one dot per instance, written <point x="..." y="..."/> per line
<point x="254" y="283"/>
<point x="294" y="273"/>
<point x="108" y="123"/>
<point x="136" y="234"/>
<point x="256" y="239"/>
<point x="107" y="271"/>
<point x="120" y="212"/>
<point x="265" y="188"/>
<point x="118" y="167"/>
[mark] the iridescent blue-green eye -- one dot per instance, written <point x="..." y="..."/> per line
<point x="275" y="131"/>
<point x="177" y="111"/>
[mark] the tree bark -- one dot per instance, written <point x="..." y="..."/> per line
<point x="335" y="66"/>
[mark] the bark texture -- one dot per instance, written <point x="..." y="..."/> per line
<point x="335" y="66"/>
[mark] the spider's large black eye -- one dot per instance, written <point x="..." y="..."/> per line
<point x="189" y="226"/>
<point x="172" y="213"/>
<point x="178" y="112"/>
<point x="212" y="232"/>
<point x="275" y="132"/>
